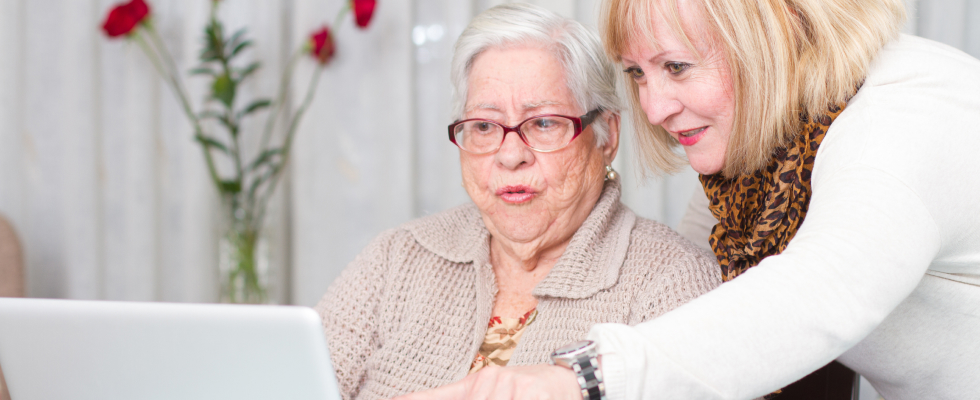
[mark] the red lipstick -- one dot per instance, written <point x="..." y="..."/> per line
<point x="689" y="138"/>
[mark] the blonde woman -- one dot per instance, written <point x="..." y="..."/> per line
<point x="839" y="163"/>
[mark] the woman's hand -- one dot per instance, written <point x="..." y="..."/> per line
<point x="533" y="382"/>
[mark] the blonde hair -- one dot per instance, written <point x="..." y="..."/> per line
<point x="787" y="59"/>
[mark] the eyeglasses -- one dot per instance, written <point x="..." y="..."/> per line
<point x="542" y="133"/>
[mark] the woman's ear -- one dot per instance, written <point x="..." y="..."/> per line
<point x="612" y="140"/>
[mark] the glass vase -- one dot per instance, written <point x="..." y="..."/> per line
<point x="244" y="261"/>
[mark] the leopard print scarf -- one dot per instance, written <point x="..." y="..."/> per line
<point x="759" y="213"/>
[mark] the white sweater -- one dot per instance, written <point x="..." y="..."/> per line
<point x="883" y="275"/>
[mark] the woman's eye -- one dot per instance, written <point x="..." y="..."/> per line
<point x="483" y="126"/>
<point x="676" y="67"/>
<point x="543" y="123"/>
<point x="634" y="73"/>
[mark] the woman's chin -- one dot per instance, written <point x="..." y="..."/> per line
<point x="520" y="222"/>
<point x="706" y="166"/>
<point x="519" y="231"/>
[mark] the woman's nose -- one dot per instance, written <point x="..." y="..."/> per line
<point x="513" y="152"/>
<point x="659" y="105"/>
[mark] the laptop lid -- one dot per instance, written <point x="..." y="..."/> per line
<point x="73" y="349"/>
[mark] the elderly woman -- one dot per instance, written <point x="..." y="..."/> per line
<point x="545" y="251"/>
<point x="839" y="163"/>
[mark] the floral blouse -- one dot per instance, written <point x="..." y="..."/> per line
<point x="501" y="340"/>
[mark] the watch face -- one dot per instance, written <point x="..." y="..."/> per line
<point x="571" y="348"/>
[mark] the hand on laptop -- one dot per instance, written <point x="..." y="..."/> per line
<point x="508" y="383"/>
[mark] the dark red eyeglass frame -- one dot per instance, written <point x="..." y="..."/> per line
<point x="580" y="124"/>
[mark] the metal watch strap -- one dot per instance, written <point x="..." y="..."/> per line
<point x="586" y="368"/>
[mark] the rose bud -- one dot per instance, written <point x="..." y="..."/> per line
<point x="123" y="18"/>
<point x="321" y="45"/>
<point x="363" y="10"/>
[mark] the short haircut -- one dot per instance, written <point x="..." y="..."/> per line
<point x="590" y="76"/>
<point x="787" y="59"/>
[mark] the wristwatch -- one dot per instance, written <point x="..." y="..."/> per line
<point x="581" y="357"/>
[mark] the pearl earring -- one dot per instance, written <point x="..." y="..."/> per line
<point x="611" y="174"/>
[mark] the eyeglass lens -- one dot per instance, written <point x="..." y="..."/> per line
<point x="546" y="133"/>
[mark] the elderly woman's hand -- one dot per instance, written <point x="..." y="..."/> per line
<point x="533" y="382"/>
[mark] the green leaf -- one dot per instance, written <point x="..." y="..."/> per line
<point x="216" y="29"/>
<point x="221" y="117"/>
<point x="233" y="40"/>
<point x="254" y="106"/>
<point x="213" y="42"/>
<point x="270" y="173"/>
<point x="223" y="90"/>
<point x="208" y="32"/>
<point x="258" y="182"/>
<point x="264" y="158"/>
<point x="241" y="46"/>
<point x="230" y="186"/>
<point x="209" y="57"/>
<point x="203" y="71"/>
<point x="248" y="70"/>
<point x="211" y="142"/>
<point x="209" y="114"/>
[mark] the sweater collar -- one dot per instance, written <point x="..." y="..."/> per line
<point x="591" y="261"/>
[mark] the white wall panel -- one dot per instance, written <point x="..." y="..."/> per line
<point x="353" y="170"/>
<point x="943" y="21"/>
<point x="187" y="200"/>
<point x="438" y="180"/>
<point x="130" y="119"/>
<point x="44" y="95"/>
<point x="971" y="44"/>
<point x="80" y="200"/>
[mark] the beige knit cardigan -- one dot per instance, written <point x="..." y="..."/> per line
<point x="410" y="312"/>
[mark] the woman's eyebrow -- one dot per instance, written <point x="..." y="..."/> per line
<point x="540" y="104"/>
<point x="483" y="106"/>
<point x="531" y="106"/>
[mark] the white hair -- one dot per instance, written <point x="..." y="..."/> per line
<point x="590" y="76"/>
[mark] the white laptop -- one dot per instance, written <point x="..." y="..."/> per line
<point x="72" y="349"/>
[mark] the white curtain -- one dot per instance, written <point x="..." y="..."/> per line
<point x="101" y="178"/>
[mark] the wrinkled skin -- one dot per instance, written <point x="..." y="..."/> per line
<point x="508" y="86"/>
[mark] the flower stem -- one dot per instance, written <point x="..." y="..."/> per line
<point x="175" y="84"/>
<point x="288" y="143"/>
<point x="287" y="76"/>
<point x="340" y="14"/>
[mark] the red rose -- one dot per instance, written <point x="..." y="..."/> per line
<point x="123" y="18"/>
<point x="322" y="45"/>
<point x="363" y="10"/>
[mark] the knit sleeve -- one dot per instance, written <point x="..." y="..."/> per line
<point x="349" y="313"/>
<point x="686" y="274"/>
